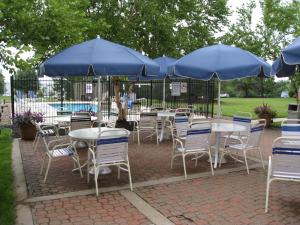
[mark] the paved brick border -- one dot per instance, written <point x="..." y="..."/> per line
<point x="24" y="216"/>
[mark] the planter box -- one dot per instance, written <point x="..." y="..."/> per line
<point x="28" y="131"/>
<point x="294" y="111"/>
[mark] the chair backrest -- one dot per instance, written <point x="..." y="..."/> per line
<point x="246" y="121"/>
<point x="183" y="111"/>
<point x="286" y="157"/>
<point x="79" y="122"/>
<point x="83" y="114"/>
<point x="198" y="136"/>
<point x="290" y="127"/>
<point x="112" y="148"/>
<point x="255" y="135"/>
<point x="181" y="124"/>
<point x="148" y="119"/>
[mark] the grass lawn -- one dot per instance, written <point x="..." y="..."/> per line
<point x="7" y="195"/>
<point x="232" y="105"/>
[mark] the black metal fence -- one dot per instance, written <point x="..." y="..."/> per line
<point x="60" y="96"/>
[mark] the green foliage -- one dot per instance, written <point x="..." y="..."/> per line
<point x="155" y="27"/>
<point x="279" y="24"/>
<point x="7" y="195"/>
<point x="27" y="80"/>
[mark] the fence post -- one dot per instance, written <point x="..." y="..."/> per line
<point x="189" y="92"/>
<point x="61" y="94"/>
<point x="151" y="93"/>
<point x="213" y="97"/>
<point x="109" y="96"/>
<point x="12" y="96"/>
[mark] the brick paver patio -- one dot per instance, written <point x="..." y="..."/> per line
<point x="235" y="198"/>
<point x="231" y="198"/>
<point x="110" y="208"/>
<point x="148" y="162"/>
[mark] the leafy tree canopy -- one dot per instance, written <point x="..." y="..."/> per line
<point x="155" y="27"/>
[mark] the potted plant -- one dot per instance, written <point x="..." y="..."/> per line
<point x="25" y="122"/>
<point x="264" y="111"/>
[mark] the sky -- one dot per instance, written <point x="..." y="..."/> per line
<point x="234" y="4"/>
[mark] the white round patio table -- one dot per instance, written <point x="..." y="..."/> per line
<point x="164" y="115"/>
<point x="92" y="134"/>
<point x="222" y="127"/>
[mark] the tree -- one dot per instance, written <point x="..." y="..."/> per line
<point x="26" y="80"/>
<point x="277" y="27"/>
<point x="155" y="27"/>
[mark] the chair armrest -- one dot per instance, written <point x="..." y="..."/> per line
<point x="177" y="140"/>
<point x="93" y="155"/>
<point x="286" y="138"/>
<point x="57" y="141"/>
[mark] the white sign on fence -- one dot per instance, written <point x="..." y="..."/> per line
<point x="183" y="88"/>
<point x="175" y="89"/>
<point x="89" y="88"/>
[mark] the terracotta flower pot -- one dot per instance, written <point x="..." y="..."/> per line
<point x="268" y="119"/>
<point x="28" y="131"/>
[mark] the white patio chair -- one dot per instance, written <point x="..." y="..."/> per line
<point x="110" y="151"/>
<point x="240" y="118"/>
<point x="79" y="122"/>
<point x="284" y="164"/>
<point x="57" y="149"/>
<point x="43" y="130"/>
<point x="147" y="124"/>
<point x="290" y="127"/>
<point x="252" y="143"/>
<point x="180" y="126"/>
<point x="197" y="143"/>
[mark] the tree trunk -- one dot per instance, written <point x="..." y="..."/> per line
<point x="122" y="110"/>
<point x="117" y="87"/>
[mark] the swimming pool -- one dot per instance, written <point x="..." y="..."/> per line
<point x="75" y="107"/>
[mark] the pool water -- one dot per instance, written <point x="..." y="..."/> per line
<point x="75" y="107"/>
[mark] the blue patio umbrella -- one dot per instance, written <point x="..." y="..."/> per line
<point x="289" y="59"/>
<point x="99" y="57"/>
<point x="221" y="61"/>
<point x="164" y="63"/>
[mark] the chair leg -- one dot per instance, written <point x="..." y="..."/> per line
<point x="157" y="136"/>
<point x="138" y="137"/>
<point x="261" y="158"/>
<point x="88" y="168"/>
<point x="268" y="187"/>
<point x="36" y="142"/>
<point x="129" y="175"/>
<point x="96" y="181"/>
<point x="245" y="157"/>
<point x="42" y="167"/>
<point x="76" y="160"/>
<point x="47" y="170"/>
<point x="184" y="166"/>
<point x="211" y="165"/>
<point x="118" y="172"/>
<point x="221" y="158"/>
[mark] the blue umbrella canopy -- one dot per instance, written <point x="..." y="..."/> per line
<point x="164" y="63"/>
<point x="98" y="57"/>
<point x="285" y="65"/>
<point x="225" y="62"/>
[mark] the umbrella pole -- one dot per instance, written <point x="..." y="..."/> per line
<point x="219" y="99"/>
<point x="99" y="103"/>
<point x="164" y="94"/>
